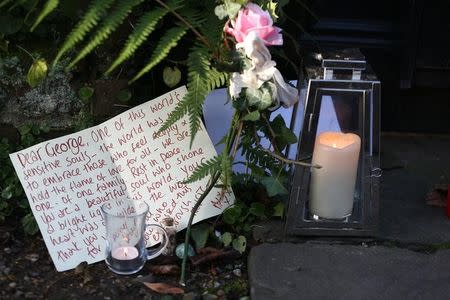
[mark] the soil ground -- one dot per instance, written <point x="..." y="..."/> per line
<point x="27" y="272"/>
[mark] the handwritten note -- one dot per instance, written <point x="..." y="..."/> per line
<point x="67" y="179"/>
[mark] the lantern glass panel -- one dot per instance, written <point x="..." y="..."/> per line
<point x="334" y="192"/>
<point x="340" y="133"/>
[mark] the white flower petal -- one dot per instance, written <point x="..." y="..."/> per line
<point x="286" y="94"/>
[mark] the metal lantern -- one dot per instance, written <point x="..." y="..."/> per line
<point x="341" y="135"/>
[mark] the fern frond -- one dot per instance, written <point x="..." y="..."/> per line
<point x="116" y="18"/>
<point x="197" y="92"/>
<point x="177" y="114"/>
<point x="254" y="154"/>
<point x="4" y="3"/>
<point x="167" y="42"/>
<point x="226" y="170"/>
<point x="213" y="27"/>
<point x="145" y="25"/>
<point x="18" y="3"/>
<point x="193" y="16"/>
<point x="202" y="78"/>
<point x="95" y="11"/>
<point x="49" y="6"/>
<point x="207" y="168"/>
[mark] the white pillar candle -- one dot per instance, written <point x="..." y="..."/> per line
<point x="125" y="253"/>
<point x="332" y="186"/>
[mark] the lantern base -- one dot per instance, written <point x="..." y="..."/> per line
<point x="318" y="218"/>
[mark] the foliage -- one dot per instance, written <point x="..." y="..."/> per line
<point x="84" y="119"/>
<point x="37" y="73"/>
<point x="171" y="76"/>
<point x="49" y="6"/>
<point x="200" y="234"/>
<point x="12" y="196"/>
<point x="13" y="203"/>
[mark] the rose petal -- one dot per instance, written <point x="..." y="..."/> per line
<point x="253" y="18"/>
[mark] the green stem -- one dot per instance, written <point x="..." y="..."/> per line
<point x="215" y="177"/>
<point x="212" y="183"/>
<point x="26" y="51"/>
<point x="189" y="25"/>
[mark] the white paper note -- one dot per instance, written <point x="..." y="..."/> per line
<point x="67" y="179"/>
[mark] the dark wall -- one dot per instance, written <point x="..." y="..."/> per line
<point x="407" y="44"/>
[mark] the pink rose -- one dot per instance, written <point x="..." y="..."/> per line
<point x="253" y="18"/>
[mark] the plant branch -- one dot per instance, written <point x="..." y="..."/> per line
<point x="236" y="140"/>
<point x="214" y="178"/>
<point x="210" y="186"/>
<point x="189" y="25"/>
<point x="287" y="160"/>
<point x="26" y="51"/>
<point x="272" y="133"/>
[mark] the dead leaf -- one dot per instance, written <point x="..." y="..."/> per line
<point x="164" y="288"/>
<point x="208" y="250"/>
<point x="80" y="268"/>
<point x="147" y="278"/>
<point x="87" y="277"/>
<point x="164" y="269"/>
<point x="438" y="196"/>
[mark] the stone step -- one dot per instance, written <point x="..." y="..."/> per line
<point x="316" y="271"/>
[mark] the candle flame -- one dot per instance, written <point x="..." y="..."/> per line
<point x="334" y="145"/>
<point x="125" y="251"/>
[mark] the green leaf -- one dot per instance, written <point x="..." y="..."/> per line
<point x="253" y="116"/>
<point x="10" y="25"/>
<point x="4" y="3"/>
<point x="284" y="136"/>
<point x="220" y="11"/>
<point x="226" y="239"/>
<point x="35" y="130"/>
<point x="85" y="93"/>
<point x="3" y="44"/>
<point x="278" y="210"/>
<point x="7" y="193"/>
<point x="23" y="203"/>
<point x="29" y="224"/>
<point x="171" y="76"/>
<point x="240" y="244"/>
<point x="274" y="186"/>
<point x="124" y="96"/>
<point x="200" y="233"/>
<point x="24" y="129"/>
<point x="37" y="73"/>
<point x="49" y="6"/>
<point x="257" y="209"/>
<point x="271" y="7"/>
<point x="228" y="9"/>
<point x="258" y="98"/>
<point x="179" y="250"/>
<point x="232" y="214"/>
<point x="44" y="127"/>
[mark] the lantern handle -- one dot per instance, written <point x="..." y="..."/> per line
<point x="376" y="172"/>
<point x="330" y="65"/>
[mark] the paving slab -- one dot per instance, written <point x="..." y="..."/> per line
<point x="316" y="271"/>
<point x="412" y="165"/>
